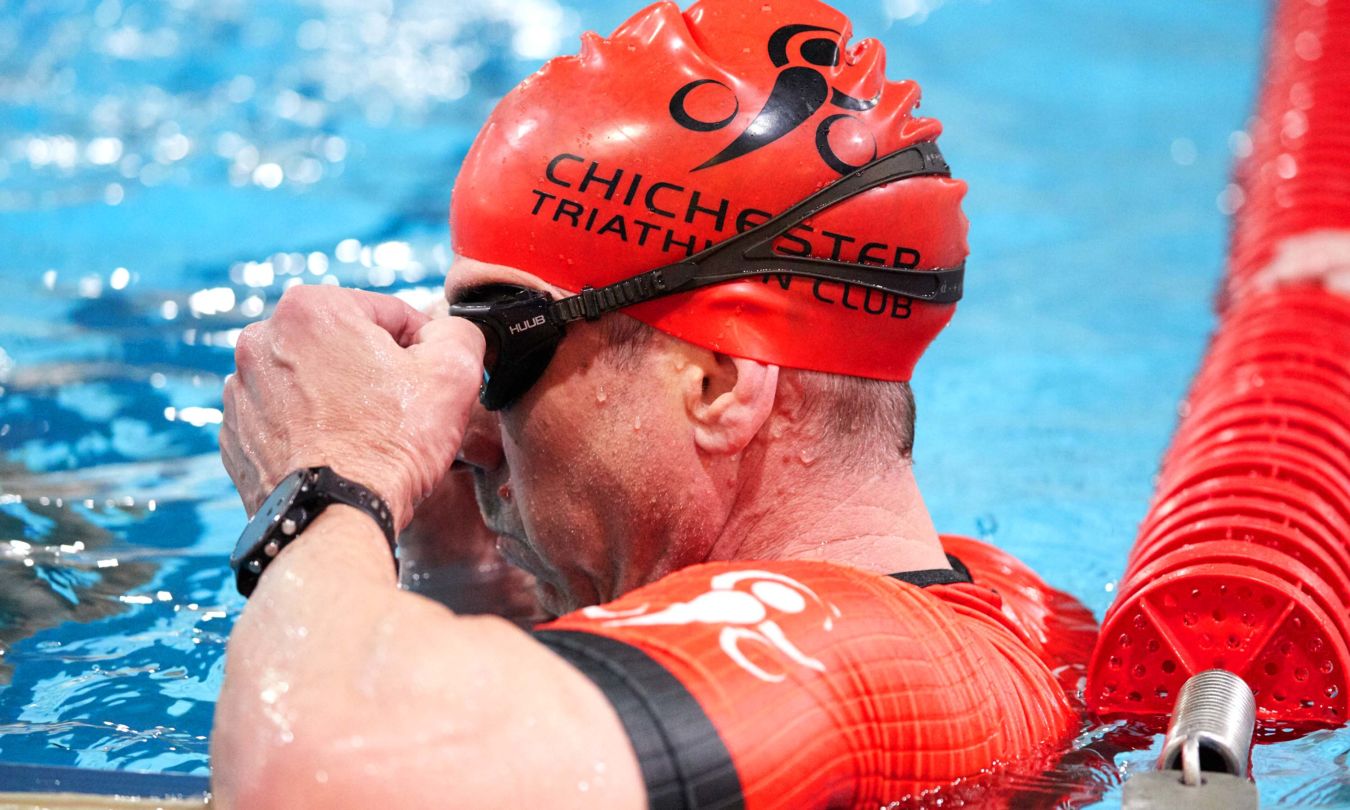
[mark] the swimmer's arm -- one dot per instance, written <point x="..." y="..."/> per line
<point x="343" y="691"/>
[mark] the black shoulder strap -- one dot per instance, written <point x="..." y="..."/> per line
<point x="937" y="576"/>
<point x="685" y="764"/>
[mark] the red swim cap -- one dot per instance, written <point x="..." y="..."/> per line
<point x="681" y="130"/>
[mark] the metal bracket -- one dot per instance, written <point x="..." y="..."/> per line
<point x="1165" y="790"/>
<point x="1204" y="757"/>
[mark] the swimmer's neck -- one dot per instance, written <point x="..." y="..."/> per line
<point x="874" y="520"/>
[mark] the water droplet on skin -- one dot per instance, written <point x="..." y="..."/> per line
<point x="583" y="786"/>
<point x="600" y="395"/>
<point x="808" y="457"/>
<point x="637" y="423"/>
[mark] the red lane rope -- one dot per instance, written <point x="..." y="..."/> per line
<point x="1243" y="561"/>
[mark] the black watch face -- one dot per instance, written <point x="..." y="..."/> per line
<point x="278" y="503"/>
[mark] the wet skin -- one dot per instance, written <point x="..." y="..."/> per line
<point x="342" y="690"/>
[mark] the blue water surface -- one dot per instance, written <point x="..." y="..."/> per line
<point x="168" y="168"/>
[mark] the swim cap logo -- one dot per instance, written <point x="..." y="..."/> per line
<point x="798" y="93"/>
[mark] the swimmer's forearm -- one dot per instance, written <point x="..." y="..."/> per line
<point x="283" y="655"/>
<point x="342" y="691"/>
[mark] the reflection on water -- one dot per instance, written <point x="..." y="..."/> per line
<point x="94" y="639"/>
<point x="71" y="574"/>
<point x="1100" y="759"/>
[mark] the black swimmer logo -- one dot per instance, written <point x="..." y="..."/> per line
<point x="798" y="92"/>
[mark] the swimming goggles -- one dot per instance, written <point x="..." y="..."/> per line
<point x="523" y="327"/>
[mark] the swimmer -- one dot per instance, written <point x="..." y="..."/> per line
<point x="696" y="265"/>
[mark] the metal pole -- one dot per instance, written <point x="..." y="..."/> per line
<point x="1211" y="728"/>
<point x="1209" y="740"/>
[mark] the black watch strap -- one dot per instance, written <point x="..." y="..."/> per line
<point x="293" y="505"/>
<point x="349" y="493"/>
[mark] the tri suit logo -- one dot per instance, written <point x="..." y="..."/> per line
<point x="753" y="607"/>
<point x="798" y="93"/>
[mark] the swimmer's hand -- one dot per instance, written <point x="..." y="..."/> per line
<point x="355" y="380"/>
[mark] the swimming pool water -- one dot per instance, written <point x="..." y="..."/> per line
<point x="168" y="168"/>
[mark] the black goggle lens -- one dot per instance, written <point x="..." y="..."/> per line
<point x="491" y="355"/>
<point x="521" y="338"/>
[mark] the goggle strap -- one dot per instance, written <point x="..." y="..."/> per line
<point x="921" y="159"/>
<point x="942" y="285"/>
<point x="751" y="253"/>
<point x="591" y="303"/>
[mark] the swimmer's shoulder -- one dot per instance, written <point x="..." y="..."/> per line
<point x="875" y="687"/>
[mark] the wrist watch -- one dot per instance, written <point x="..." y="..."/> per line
<point x="293" y="505"/>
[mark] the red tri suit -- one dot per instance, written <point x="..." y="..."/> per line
<point x="797" y="684"/>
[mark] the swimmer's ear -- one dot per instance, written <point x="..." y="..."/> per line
<point x="729" y="401"/>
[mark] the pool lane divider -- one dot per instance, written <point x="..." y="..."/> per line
<point x="1243" y="560"/>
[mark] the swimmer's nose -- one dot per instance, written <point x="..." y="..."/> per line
<point x="482" y="445"/>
